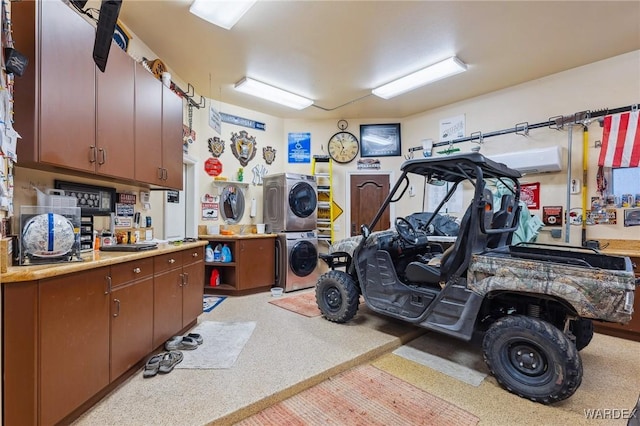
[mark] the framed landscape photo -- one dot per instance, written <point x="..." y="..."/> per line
<point x="380" y="140"/>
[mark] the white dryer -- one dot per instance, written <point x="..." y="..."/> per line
<point x="290" y="202"/>
<point x="296" y="260"/>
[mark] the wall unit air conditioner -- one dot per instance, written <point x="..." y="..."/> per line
<point x="539" y="160"/>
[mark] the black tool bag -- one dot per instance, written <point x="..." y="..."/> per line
<point x="441" y="225"/>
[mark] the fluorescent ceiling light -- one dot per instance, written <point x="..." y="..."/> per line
<point x="224" y="14"/>
<point x="446" y="68"/>
<point x="273" y="94"/>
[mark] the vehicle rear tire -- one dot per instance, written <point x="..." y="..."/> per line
<point x="582" y="329"/>
<point x="337" y="296"/>
<point x="532" y="358"/>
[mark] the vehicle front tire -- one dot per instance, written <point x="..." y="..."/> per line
<point x="337" y="296"/>
<point x="582" y="329"/>
<point x="532" y="359"/>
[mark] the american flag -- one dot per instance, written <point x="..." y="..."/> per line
<point x="621" y="140"/>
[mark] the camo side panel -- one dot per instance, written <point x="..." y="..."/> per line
<point x="348" y="245"/>
<point x="593" y="293"/>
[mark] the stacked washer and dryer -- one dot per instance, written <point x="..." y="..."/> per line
<point x="291" y="210"/>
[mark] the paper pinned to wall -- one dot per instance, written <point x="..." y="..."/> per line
<point x="435" y="194"/>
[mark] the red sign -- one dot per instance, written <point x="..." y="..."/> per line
<point x="530" y="195"/>
<point x="213" y="167"/>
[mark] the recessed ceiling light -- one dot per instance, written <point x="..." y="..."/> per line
<point x="446" y="68"/>
<point x="224" y="14"/>
<point x="273" y="94"/>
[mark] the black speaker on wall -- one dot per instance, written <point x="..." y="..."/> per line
<point x="109" y="11"/>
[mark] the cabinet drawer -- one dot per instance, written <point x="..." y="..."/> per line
<point x="168" y="261"/>
<point x="192" y="255"/>
<point x="130" y="271"/>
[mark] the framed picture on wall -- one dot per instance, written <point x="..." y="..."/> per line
<point x="380" y="140"/>
<point x="92" y="200"/>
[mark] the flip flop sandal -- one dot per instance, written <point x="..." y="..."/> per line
<point x="152" y="366"/>
<point x="170" y="360"/>
<point x="181" y="343"/>
<point x="197" y="337"/>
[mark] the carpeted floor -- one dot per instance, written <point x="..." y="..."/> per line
<point x="363" y="395"/>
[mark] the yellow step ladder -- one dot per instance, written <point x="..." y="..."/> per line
<point x="324" y="179"/>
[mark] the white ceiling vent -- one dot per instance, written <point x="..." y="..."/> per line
<point x="539" y="160"/>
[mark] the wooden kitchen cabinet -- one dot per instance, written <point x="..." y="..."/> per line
<point x="148" y="127"/>
<point x="171" y="139"/>
<point x="73" y="341"/>
<point x="252" y="269"/>
<point x="167" y="296"/>
<point x="131" y="314"/>
<point x="113" y="154"/>
<point x="192" y="290"/>
<point x="54" y="101"/>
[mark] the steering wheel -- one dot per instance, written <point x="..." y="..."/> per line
<point x="406" y="230"/>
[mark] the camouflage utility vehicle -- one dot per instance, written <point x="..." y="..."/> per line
<point x="532" y="303"/>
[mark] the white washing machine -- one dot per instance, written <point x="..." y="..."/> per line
<point x="296" y="260"/>
<point x="290" y="202"/>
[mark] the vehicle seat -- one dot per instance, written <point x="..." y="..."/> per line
<point x="470" y="240"/>
<point x="503" y="219"/>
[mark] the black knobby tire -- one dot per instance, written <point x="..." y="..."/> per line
<point x="337" y="296"/>
<point x="532" y="358"/>
<point x="582" y="329"/>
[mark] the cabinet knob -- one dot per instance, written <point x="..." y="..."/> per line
<point x="92" y="154"/>
<point x="195" y="254"/>
<point x="172" y="261"/>
<point x="136" y="270"/>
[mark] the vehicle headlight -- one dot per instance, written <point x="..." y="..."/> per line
<point x="628" y="301"/>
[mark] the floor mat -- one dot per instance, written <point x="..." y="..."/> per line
<point x="453" y="357"/>
<point x="221" y="346"/>
<point x="210" y="302"/>
<point x="303" y="304"/>
<point x="364" y="395"/>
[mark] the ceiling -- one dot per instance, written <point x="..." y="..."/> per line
<point x="335" y="52"/>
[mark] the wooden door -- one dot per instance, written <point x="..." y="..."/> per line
<point x="167" y="305"/>
<point x="131" y="325"/>
<point x="67" y="88"/>
<point x="172" y="139"/>
<point x="255" y="263"/>
<point x="367" y="194"/>
<point x="74" y="341"/>
<point x="115" y="115"/>
<point x="192" y="291"/>
<point x="148" y="127"/>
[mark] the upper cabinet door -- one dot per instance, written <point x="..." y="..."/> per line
<point x="172" y="139"/>
<point x="115" y="115"/>
<point x="67" y="88"/>
<point x="148" y="128"/>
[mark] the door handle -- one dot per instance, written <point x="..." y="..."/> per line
<point x="92" y="153"/>
<point x="103" y="156"/>
<point x="185" y="279"/>
<point x="117" y="302"/>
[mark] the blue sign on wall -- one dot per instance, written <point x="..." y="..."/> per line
<point x="299" y="147"/>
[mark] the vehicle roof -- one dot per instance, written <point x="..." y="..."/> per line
<point x="452" y="168"/>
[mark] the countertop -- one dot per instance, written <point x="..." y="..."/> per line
<point x="94" y="259"/>
<point x="234" y="236"/>
<point x="629" y="248"/>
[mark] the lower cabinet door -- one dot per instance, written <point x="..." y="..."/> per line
<point x="131" y="325"/>
<point x="192" y="292"/>
<point x="74" y="341"/>
<point x="167" y="305"/>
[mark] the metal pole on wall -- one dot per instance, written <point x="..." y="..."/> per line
<point x="567" y="221"/>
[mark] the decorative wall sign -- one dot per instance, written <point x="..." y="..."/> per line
<point x="214" y="119"/>
<point x="368" y="163"/>
<point x="552" y="215"/>
<point x="210" y="211"/>
<point x="452" y="128"/>
<point x="299" y="147"/>
<point x="632" y="217"/>
<point x="244" y="122"/>
<point x="121" y="36"/>
<point x="123" y="198"/>
<point x="173" y="197"/>
<point x="269" y="154"/>
<point x="243" y="146"/>
<point x="216" y="146"/>
<point x="213" y="167"/>
<point x="258" y="173"/>
<point x="530" y="195"/>
<point x="379" y="140"/>
<point x="188" y="137"/>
